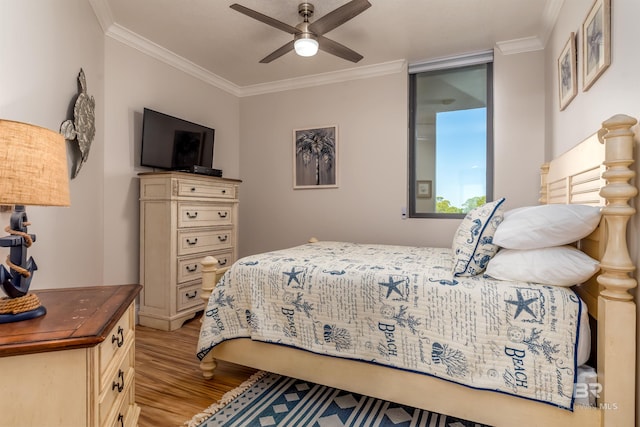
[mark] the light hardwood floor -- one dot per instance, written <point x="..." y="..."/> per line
<point x="170" y="388"/>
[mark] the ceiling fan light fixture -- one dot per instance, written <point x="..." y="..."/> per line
<point x="307" y="36"/>
<point x="306" y="46"/>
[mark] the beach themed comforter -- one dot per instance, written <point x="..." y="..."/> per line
<point x="401" y="307"/>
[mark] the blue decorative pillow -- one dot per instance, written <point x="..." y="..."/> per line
<point x="473" y="245"/>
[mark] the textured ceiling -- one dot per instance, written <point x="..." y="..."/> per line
<point x="209" y="36"/>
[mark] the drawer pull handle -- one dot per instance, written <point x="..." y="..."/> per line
<point x="223" y="214"/>
<point x="120" y="338"/>
<point x="192" y="242"/>
<point x="224" y="191"/>
<point x="120" y="384"/>
<point x="223" y="238"/>
<point x="222" y="262"/>
<point x="191" y="295"/>
<point x="193" y="189"/>
<point x="192" y="269"/>
<point x="192" y="215"/>
<point x="121" y="420"/>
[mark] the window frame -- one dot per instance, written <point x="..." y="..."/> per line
<point x="438" y="65"/>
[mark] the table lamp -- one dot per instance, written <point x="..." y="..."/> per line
<point x="33" y="171"/>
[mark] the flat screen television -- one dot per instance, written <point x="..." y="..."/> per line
<point x="174" y="144"/>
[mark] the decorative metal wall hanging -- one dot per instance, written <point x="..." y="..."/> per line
<point x="82" y="128"/>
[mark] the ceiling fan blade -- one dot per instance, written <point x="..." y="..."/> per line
<point x="338" y="16"/>
<point x="338" y="49"/>
<point x="277" y="53"/>
<point x="265" y="19"/>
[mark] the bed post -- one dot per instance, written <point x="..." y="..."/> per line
<point x="616" y="307"/>
<point x="211" y="273"/>
<point x="209" y="277"/>
<point x="544" y="173"/>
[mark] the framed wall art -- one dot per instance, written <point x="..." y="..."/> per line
<point x="567" y="74"/>
<point x="315" y="157"/>
<point x="423" y="189"/>
<point x="596" y="42"/>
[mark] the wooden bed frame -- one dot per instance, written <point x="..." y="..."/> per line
<point x="595" y="172"/>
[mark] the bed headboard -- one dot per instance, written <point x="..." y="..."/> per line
<point x="596" y="172"/>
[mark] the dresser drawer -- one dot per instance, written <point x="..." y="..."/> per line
<point x="116" y="384"/>
<point x="126" y="413"/>
<point x="204" y="215"/>
<point x="119" y="339"/>
<point x="194" y="188"/>
<point x="197" y="241"/>
<point x="188" y="295"/>
<point x="189" y="268"/>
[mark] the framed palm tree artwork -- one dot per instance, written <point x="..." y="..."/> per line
<point x="315" y="157"/>
<point x="596" y="42"/>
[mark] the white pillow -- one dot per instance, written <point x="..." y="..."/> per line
<point x="534" y="227"/>
<point x="556" y="266"/>
<point x="473" y="242"/>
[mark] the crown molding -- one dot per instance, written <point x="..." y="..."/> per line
<point x="332" y="77"/>
<point x="528" y="44"/>
<point x="549" y="18"/>
<point x="117" y="32"/>
<point x="123" y="35"/>
<point x="154" y="50"/>
<point x="103" y="13"/>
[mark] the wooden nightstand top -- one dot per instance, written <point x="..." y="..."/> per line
<point x="76" y="318"/>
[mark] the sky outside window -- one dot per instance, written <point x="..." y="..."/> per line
<point x="461" y="147"/>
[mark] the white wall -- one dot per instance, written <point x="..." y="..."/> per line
<point x="133" y="81"/>
<point x="519" y="124"/>
<point x="43" y="45"/>
<point x="371" y="115"/>
<point x="616" y="91"/>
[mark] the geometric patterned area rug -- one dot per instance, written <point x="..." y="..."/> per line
<point x="268" y="399"/>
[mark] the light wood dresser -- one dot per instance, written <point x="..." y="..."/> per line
<point x="183" y="218"/>
<point x="74" y="366"/>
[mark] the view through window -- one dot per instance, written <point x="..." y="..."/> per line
<point x="451" y="167"/>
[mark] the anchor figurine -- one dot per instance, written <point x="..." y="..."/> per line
<point x="16" y="281"/>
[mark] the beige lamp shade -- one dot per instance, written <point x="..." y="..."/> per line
<point x="33" y="166"/>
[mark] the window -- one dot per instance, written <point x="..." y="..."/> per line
<point x="451" y="136"/>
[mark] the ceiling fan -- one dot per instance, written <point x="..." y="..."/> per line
<point x="308" y="36"/>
